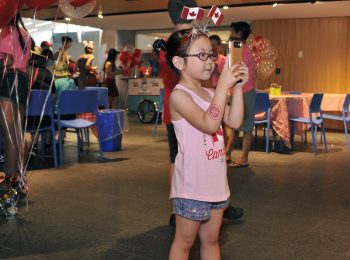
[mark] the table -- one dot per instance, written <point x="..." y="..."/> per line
<point x="285" y="106"/>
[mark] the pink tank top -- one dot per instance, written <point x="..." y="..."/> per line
<point x="200" y="165"/>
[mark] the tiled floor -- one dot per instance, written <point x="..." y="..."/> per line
<point x="296" y="206"/>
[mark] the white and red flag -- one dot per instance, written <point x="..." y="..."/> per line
<point x="216" y="15"/>
<point x="192" y="13"/>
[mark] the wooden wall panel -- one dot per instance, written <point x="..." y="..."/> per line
<point x="325" y="43"/>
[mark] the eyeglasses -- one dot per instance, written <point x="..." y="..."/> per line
<point x="203" y="56"/>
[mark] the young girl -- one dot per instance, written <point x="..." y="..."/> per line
<point x="200" y="191"/>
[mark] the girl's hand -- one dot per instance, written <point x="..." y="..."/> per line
<point x="243" y="76"/>
<point x="230" y="76"/>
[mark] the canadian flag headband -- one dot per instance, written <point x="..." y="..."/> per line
<point x="197" y="13"/>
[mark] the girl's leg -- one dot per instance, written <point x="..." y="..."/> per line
<point x="209" y="235"/>
<point x="185" y="235"/>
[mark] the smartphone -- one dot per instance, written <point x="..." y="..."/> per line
<point x="235" y="51"/>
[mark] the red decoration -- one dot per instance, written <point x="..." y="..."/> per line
<point x="258" y="38"/>
<point x="39" y="4"/>
<point x="78" y="3"/>
<point x="8" y="9"/>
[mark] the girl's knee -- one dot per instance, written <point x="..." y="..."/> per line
<point x="184" y="242"/>
<point x="210" y="239"/>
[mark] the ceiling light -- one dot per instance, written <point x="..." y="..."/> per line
<point x="223" y="41"/>
<point x="100" y="14"/>
<point x="156" y="38"/>
<point x="225" y="7"/>
<point x="67" y="19"/>
<point x="275" y="4"/>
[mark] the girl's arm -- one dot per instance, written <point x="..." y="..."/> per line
<point x="183" y="106"/>
<point x="234" y="114"/>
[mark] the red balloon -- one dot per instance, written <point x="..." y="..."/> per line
<point x="77" y="3"/>
<point x="39" y="4"/>
<point x="20" y="4"/>
<point x="8" y="9"/>
<point x="258" y="38"/>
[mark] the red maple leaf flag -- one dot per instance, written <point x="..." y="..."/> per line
<point x="216" y="15"/>
<point x="192" y="13"/>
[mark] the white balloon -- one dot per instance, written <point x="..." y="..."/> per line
<point x="77" y="12"/>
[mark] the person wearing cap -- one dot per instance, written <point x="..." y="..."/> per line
<point x="47" y="52"/>
<point x="41" y="78"/>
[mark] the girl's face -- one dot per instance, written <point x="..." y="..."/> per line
<point x="196" y="66"/>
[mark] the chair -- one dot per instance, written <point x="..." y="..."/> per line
<point x="102" y="95"/>
<point x="41" y="104"/>
<point x="159" y="110"/>
<point x="77" y="102"/>
<point x="263" y="105"/>
<point x="345" y="117"/>
<point x="315" y="118"/>
<point x="102" y="101"/>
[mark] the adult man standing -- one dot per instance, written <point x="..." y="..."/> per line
<point x="242" y="30"/>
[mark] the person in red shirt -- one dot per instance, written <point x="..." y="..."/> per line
<point x="170" y="79"/>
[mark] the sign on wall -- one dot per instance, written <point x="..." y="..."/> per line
<point x="145" y="86"/>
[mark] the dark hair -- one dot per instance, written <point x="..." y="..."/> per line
<point x="215" y="38"/>
<point x="88" y="50"/>
<point x="65" y="39"/>
<point x="243" y="28"/>
<point x="16" y="21"/>
<point x="175" y="9"/>
<point x="178" y="44"/>
<point x="112" y="55"/>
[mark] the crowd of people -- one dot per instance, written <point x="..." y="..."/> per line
<point x="25" y="66"/>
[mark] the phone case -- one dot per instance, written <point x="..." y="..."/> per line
<point x="235" y="47"/>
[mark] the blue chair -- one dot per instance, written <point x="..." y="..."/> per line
<point x="263" y="105"/>
<point x="77" y="102"/>
<point x="315" y="118"/>
<point x="159" y="110"/>
<point x="102" y="95"/>
<point x="41" y="104"/>
<point x="102" y="101"/>
<point x="345" y="117"/>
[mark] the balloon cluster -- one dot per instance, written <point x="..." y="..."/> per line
<point x="264" y="55"/>
<point x="71" y="8"/>
<point x="129" y="58"/>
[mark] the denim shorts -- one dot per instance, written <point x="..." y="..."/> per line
<point x="196" y="210"/>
